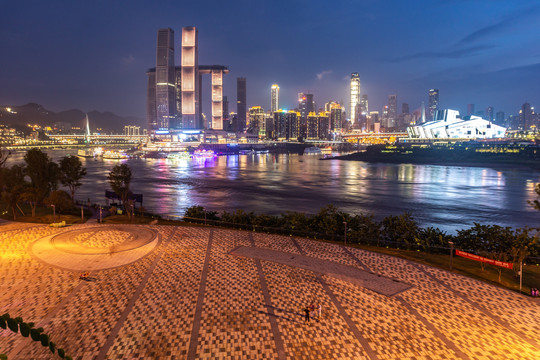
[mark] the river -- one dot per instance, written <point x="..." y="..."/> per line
<point x="447" y="197"/>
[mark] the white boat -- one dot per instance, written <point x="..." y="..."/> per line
<point x="313" y="150"/>
<point x="179" y="156"/>
<point x="86" y="153"/>
<point x="114" y="155"/>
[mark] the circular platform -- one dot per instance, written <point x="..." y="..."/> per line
<point x="96" y="248"/>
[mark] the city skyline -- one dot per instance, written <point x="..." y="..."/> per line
<point x="90" y="61"/>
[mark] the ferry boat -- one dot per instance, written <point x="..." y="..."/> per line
<point x="115" y="155"/>
<point x="86" y="153"/>
<point x="313" y="150"/>
<point x="327" y="150"/>
<point x="179" y="156"/>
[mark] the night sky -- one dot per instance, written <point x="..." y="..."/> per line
<point x="93" y="55"/>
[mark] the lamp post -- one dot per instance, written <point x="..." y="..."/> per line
<point x="100" y="215"/>
<point x="451" y="254"/>
<point x="345" y="223"/>
<point x="54" y="213"/>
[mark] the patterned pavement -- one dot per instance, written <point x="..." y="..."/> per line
<point x="190" y="298"/>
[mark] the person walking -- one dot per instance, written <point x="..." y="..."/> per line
<point x="319" y="311"/>
<point x="306" y="311"/>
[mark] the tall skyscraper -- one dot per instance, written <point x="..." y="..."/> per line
<point x="274" y="98"/>
<point x="404" y="108"/>
<point x="433" y="102"/>
<point x="241" y="103"/>
<point x="191" y="81"/>
<point x="526" y="117"/>
<point x="490" y="113"/>
<point x="355" y="96"/>
<point x="305" y="104"/>
<point x="364" y="104"/>
<point x="499" y="118"/>
<point x="165" y="80"/>
<point x="392" y="111"/>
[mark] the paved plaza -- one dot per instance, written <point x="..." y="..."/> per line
<point x="163" y="292"/>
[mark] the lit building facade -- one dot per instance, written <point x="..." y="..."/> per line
<point x="241" y="100"/>
<point x="274" y="98"/>
<point x="433" y="102"/>
<point x="355" y="96"/>
<point x="392" y="111"/>
<point x="256" y="120"/>
<point x="191" y="81"/>
<point x="449" y="125"/>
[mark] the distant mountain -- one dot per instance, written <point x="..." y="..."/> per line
<point x="33" y="113"/>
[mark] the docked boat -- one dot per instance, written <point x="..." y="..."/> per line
<point x="204" y="154"/>
<point x="184" y="155"/>
<point x="313" y="150"/>
<point x="327" y="150"/>
<point x="115" y="155"/>
<point x="86" y="153"/>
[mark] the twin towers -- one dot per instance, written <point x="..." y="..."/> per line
<point x="174" y="92"/>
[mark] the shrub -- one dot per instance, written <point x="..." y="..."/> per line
<point x="52" y="347"/>
<point x="61" y="353"/>
<point x="13" y="325"/>
<point x="44" y="338"/>
<point x="3" y="357"/>
<point x="25" y="329"/>
<point x="3" y="324"/>
<point x="34" y="334"/>
<point x="68" y="357"/>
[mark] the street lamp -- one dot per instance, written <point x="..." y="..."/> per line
<point x="54" y="212"/>
<point x="451" y="254"/>
<point x="345" y="223"/>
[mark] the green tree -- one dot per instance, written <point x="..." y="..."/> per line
<point x="71" y="173"/>
<point x="523" y="244"/>
<point x="120" y="179"/>
<point x="536" y="203"/>
<point x="402" y="229"/>
<point x="32" y="196"/>
<point x="60" y="199"/>
<point x="42" y="171"/>
<point x="13" y="187"/>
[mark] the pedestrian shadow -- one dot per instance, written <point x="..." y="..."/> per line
<point x="293" y="316"/>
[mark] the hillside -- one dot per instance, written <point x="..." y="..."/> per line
<point x="33" y="113"/>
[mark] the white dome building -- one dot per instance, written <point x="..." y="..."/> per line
<point x="449" y="125"/>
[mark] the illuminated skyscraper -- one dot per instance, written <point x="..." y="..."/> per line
<point x="392" y="111"/>
<point x="191" y="81"/>
<point x="355" y="96"/>
<point x="364" y="104"/>
<point x="526" y="117"/>
<point x="433" y="102"/>
<point x="490" y="113"/>
<point x="165" y="81"/>
<point x="241" y="103"/>
<point x="274" y="101"/>
<point x="305" y="104"/>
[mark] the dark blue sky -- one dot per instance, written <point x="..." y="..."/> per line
<point x="94" y="54"/>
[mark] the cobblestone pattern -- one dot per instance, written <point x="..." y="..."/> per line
<point x="167" y="303"/>
<point x="234" y="323"/>
<point x="393" y="333"/>
<point x="293" y="289"/>
<point x="518" y="311"/>
<point x="467" y="327"/>
<point x="28" y="288"/>
<point x="83" y="325"/>
<point x="235" y="320"/>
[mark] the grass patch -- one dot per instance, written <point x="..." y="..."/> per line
<point x="44" y="214"/>
<point x="467" y="267"/>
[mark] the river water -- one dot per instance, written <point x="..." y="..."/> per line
<point x="447" y="197"/>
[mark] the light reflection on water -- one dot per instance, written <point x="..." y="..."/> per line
<point x="448" y="197"/>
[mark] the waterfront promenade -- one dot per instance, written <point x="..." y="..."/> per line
<point x="163" y="292"/>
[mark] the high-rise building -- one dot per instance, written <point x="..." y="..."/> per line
<point x="470" y="109"/>
<point x="305" y="104"/>
<point x="405" y="108"/>
<point x="274" y="98"/>
<point x="364" y="104"/>
<point x="433" y="102"/>
<point x="490" y="113"/>
<point x="499" y="118"/>
<point x="191" y="81"/>
<point x="225" y="111"/>
<point x="336" y="117"/>
<point x="392" y="111"/>
<point x="256" y="119"/>
<point x="151" y="116"/>
<point x="241" y="101"/>
<point x="526" y="117"/>
<point x="165" y="82"/>
<point x="355" y="96"/>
